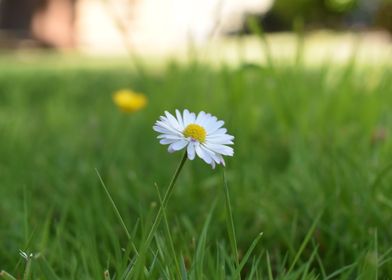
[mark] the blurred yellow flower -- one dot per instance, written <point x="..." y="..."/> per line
<point x="129" y="101"/>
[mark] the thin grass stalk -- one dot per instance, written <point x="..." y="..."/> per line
<point x="114" y="205"/>
<point x="304" y="243"/>
<point x="25" y="216"/>
<point x="230" y="225"/>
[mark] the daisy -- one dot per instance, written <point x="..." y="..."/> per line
<point x="201" y="135"/>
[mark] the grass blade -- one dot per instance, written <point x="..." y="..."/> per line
<point x="6" y="276"/>
<point x="230" y="223"/>
<point x="269" y="268"/>
<point x="114" y="205"/>
<point x="47" y="270"/>
<point x="247" y="254"/>
<point x="304" y="243"/>
<point x="184" y="273"/>
<point x="200" y="250"/>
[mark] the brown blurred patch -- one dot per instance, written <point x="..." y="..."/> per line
<point x="53" y="23"/>
<point x="37" y="23"/>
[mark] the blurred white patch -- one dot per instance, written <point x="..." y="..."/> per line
<point x="159" y="26"/>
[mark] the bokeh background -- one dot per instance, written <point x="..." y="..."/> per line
<point x="167" y="26"/>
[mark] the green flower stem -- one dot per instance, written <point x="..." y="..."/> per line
<point x="158" y="218"/>
<point x="165" y="201"/>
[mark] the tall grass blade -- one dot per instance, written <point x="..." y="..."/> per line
<point x="341" y="271"/>
<point x="305" y="275"/>
<point x="304" y="243"/>
<point x="201" y="246"/>
<point x="320" y="264"/>
<point x="230" y="223"/>
<point x="253" y="270"/>
<point x="47" y="270"/>
<point x="184" y="273"/>
<point x="25" y="215"/>
<point x="114" y="205"/>
<point x="269" y="268"/>
<point x="376" y="272"/>
<point x="248" y="253"/>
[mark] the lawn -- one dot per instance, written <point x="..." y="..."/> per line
<point x="312" y="172"/>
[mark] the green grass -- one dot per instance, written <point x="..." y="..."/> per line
<point x="312" y="171"/>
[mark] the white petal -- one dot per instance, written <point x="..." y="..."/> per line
<point x="172" y="120"/>
<point x="222" y="161"/>
<point x="213" y="126"/>
<point x="179" y="119"/>
<point x="203" y="154"/>
<point x="170" y="136"/>
<point x="219" y="131"/>
<point x="201" y="118"/>
<point x="168" y="127"/>
<point x="210" y="120"/>
<point x="170" y="149"/>
<point x="211" y="154"/>
<point x="216" y="157"/>
<point x="221" y="142"/>
<point x="188" y="118"/>
<point x="159" y="129"/>
<point x="164" y="130"/>
<point x="166" y="123"/>
<point x="191" y="151"/>
<point x="223" y="139"/>
<point x="163" y="119"/>
<point x="220" y="136"/>
<point x="220" y="149"/>
<point x="167" y="141"/>
<point x="176" y="146"/>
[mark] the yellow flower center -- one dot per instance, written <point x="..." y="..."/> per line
<point x="196" y="132"/>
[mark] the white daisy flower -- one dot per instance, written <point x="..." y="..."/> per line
<point x="201" y="135"/>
